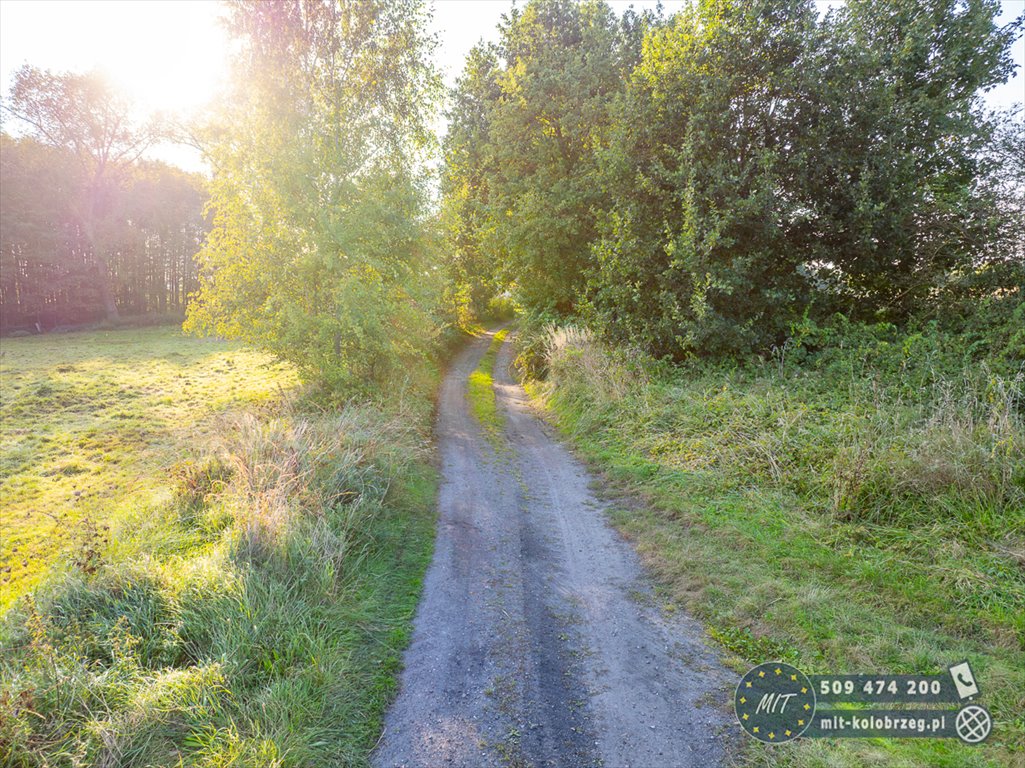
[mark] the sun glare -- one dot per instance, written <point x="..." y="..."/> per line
<point x="167" y="55"/>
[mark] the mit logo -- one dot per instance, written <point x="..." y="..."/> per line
<point x="774" y="702"/>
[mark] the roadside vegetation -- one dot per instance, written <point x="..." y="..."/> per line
<point x="231" y="575"/>
<point x="854" y="508"/>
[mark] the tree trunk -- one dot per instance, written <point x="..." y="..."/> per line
<point x="88" y="220"/>
<point x="103" y="284"/>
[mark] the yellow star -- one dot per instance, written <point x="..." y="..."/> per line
<point x="794" y="678"/>
<point x="762" y="673"/>
<point x="743" y="700"/>
<point x="755" y="729"/>
<point x="772" y="735"/>
<point x="804" y="690"/>
<point x="745" y="716"/>
<point x="800" y="722"/>
<point x="748" y="685"/>
<point x="779" y="671"/>
<point x="786" y="733"/>
<point x="807" y="706"/>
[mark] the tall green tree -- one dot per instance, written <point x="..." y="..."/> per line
<point x="465" y="190"/>
<point x="766" y="163"/>
<point x="701" y="248"/>
<point x="321" y="250"/>
<point x="527" y="117"/>
<point x="898" y="185"/>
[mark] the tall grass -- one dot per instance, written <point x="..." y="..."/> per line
<point x="860" y="508"/>
<point x="256" y="618"/>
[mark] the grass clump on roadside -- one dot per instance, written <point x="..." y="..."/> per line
<point x="253" y="614"/>
<point x="861" y="509"/>
<point x="481" y="391"/>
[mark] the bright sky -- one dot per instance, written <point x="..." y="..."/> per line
<point x="171" y="55"/>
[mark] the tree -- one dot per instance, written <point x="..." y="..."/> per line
<point x="464" y="183"/>
<point x="899" y="194"/>
<point x="154" y="226"/>
<point x="321" y="250"/>
<point x="528" y="115"/>
<point x="702" y="246"/>
<point x="765" y="165"/>
<point x="82" y="114"/>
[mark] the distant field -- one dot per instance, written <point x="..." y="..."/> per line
<point x="92" y="422"/>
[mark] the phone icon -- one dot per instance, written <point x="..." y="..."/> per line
<point x="964" y="680"/>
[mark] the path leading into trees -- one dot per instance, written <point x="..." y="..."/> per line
<point x="536" y="642"/>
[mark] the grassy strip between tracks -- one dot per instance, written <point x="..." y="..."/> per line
<point x="481" y="391"/>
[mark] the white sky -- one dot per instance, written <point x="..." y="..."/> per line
<point x="171" y="55"/>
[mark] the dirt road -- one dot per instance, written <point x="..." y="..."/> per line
<point x="536" y="642"/>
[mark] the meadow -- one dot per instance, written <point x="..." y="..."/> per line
<point x="856" y="509"/>
<point x="207" y="566"/>
<point x="94" y="424"/>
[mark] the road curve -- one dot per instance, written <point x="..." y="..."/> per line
<point x="536" y="642"/>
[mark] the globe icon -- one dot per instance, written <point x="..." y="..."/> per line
<point x="973" y="724"/>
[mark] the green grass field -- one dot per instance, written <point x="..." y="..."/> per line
<point x="217" y="571"/>
<point x="93" y="423"/>
<point x="861" y="513"/>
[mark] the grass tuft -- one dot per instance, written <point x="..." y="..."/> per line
<point x="481" y="392"/>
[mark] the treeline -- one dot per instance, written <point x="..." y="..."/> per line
<point x="90" y="231"/>
<point x="704" y="184"/>
<point x="48" y="276"/>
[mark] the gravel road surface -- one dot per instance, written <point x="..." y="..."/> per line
<point x="537" y="641"/>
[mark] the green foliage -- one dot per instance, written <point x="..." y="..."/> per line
<point x="764" y="163"/>
<point x="902" y="195"/>
<point x="321" y="250"/>
<point x="520" y="177"/>
<point x="855" y="503"/>
<point x="697" y="252"/>
<point x="464" y="215"/>
<point x="698" y="187"/>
